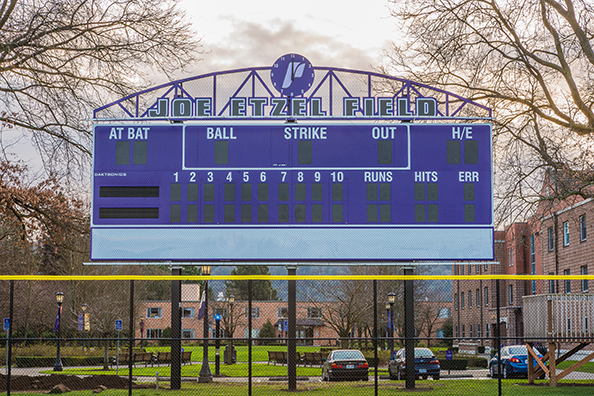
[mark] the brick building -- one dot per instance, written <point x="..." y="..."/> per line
<point x="552" y="242"/>
<point x="155" y="316"/>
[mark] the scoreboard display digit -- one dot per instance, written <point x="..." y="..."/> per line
<point x="292" y="192"/>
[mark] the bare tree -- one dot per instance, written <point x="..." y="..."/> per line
<point x="59" y="59"/>
<point x="532" y="61"/>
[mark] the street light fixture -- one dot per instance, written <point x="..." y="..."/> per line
<point x="59" y="300"/>
<point x="205" y="374"/>
<point x="84" y="324"/>
<point x="391" y="301"/>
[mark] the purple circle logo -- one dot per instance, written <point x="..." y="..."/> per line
<point x="292" y="75"/>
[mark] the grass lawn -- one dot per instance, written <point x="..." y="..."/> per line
<point x="235" y="370"/>
<point x="259" y="352"/>
<point x="452" y="388"/>
<point x="588" y="367"/>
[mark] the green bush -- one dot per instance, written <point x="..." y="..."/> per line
<point x="68" y="361"/>
<point x="478" y="362"/>
<point x="267" y="331"/>
<point x="165" y="339"/>
<point x="456" y="364"/>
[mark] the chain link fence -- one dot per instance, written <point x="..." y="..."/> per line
<point x="231" y="335"/>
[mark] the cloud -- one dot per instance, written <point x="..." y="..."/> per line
<point x="251" y="44"/>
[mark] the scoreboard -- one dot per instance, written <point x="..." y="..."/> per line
<point x="292" y="192"/>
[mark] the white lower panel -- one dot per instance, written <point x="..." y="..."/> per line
<point x="291" y="244"/>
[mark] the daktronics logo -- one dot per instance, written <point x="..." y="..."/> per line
<point x="294" y="71"/>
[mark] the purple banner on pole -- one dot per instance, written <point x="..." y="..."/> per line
<point x="57" y="320"/>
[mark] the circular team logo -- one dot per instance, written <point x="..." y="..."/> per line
<point x="292" y="75"/>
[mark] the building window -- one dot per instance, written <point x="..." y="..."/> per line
<point x="486" y="296"/>
<point x="486" y="266"/>
<point x="487" y="329"/>
<point x="551" y="238"/>
<point x="551" y="285"/>
<point x="478" y="330"/>
<point x="461" y="270"/>
<point x="566" y="233"/>
<point x="456" y="270"/>
<point x="470" y="331"/>
<point x="582" y="227"/>
<point x="469" y="269"/>
<point x="469" y="299"/>
<point x="156" y="313"/>
<point x="188" y="333"/>
<point x="255" y="312"/>
<point x="510" y="257"/>
<point x="443" y="313"/>
<point x="154" y="333"/>
<point x="282" y="312"/>
<point x="478" y="297"/>
<point x="532" y="249"/>
<point x="314" y="313"/>
<point x="511" y="294"/>
<point x="456" y="327"/>
<point x="456" y="302"/>
<point x="463" y="331"/>
<point x="462" y="300"/>
<point x="567" y="282"/>
<point x="584" y="270"/>
<point x="478" y="268"/>
<point x="187" y="313"/>
<point x="586" y="330"/>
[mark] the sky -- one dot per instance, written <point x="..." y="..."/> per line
<point x="239" y="33"/>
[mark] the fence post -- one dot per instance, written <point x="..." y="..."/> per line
<point x="131" y="338"/>
<point x="409" y="328"/>
<point x="176" y="329"/>
<point x="9" y="346"/>
<point x="375" y="364"/>
<point x="250" y="337"/>
<point x="499" y="375"/>
<point x="292" y="333"/>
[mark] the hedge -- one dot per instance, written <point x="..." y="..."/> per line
<point x="44" y="361"/>
<point x="456" y="364"/>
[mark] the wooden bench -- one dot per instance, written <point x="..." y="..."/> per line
<point x="186" y="357"/>
<point x="124" y="358"/>
<point x="313" y="359"/>
<point x="163" y="357"/>
<point x="277" y="357"/>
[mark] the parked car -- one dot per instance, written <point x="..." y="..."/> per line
<point x="345" y="364"/>
<point x="426" y="364"/>
<point x="514" y="361"/>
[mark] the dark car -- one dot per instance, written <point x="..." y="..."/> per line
<point x="426" y="364"/>
<point x="514" y="362"/>
<point x="345" y="364"/>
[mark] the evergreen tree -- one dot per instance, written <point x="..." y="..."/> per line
<point x="262" y="290"/>
<point x="267" y="331"/>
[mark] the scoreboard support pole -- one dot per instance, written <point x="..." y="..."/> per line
<point x="292" y="330"/>
<point x="176" y="329"/>
<point x="409" y="328"/>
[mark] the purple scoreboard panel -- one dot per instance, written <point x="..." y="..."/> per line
<point x="292" y="192"/>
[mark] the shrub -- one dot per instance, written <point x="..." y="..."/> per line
<point x="267" y="331"/>
<point x="165" y="339"/>
<point x="456" y="364"/>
